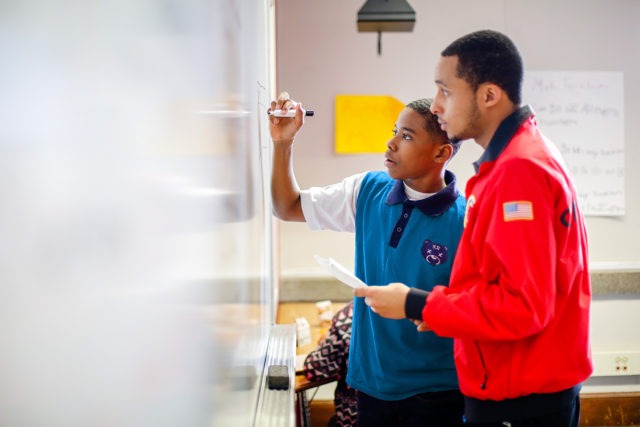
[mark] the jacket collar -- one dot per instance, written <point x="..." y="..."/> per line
<point x="432" y="206"/>
<point x="503" y="135"/>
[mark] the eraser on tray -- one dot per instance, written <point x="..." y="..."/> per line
<point x="278" y="377"/>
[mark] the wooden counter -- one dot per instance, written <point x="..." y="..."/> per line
<point x="289" y="311"/>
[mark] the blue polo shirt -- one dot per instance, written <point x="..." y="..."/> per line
<point x="412" y="242"/>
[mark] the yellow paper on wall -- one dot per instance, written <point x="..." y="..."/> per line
<point x="364" y="123"/>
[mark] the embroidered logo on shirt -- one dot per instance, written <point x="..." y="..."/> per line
<point x="569" y="215"/>
<point x="517" y="211"/>
<point x="470" y="203"/>
<point x="434" y="253"/>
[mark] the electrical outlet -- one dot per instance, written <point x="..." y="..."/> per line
<point x="622" y="364"/>
<point x="616" y="363"/>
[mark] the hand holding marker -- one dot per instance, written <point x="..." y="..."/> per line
<point x="286" y="107"/>
<point x="289" y="113"/>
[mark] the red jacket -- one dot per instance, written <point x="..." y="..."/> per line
<point x="519" y="297"/>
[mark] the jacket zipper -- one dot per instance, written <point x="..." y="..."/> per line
<point x="484" y="367"/>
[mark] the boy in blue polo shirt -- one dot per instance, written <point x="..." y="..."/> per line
<point x="407" y="223"/>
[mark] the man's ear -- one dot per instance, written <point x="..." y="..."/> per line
<point x="490" y="94"/>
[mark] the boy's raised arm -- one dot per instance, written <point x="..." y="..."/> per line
<point x="285" y="192"/>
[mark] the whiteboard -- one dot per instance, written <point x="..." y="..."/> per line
<point x="582" y="112"/>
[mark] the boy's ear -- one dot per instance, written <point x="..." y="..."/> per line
<point x="444" y="153"/>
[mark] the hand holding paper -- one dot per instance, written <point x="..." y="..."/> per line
<point x="387" y="301"/>
<point x="339" y="272"/>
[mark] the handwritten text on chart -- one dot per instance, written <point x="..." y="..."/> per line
<point x="582" y="113"/>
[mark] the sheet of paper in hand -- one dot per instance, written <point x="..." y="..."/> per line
<point x="339" y="272"/>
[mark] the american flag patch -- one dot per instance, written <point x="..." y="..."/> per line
<point x="514" y="211"/>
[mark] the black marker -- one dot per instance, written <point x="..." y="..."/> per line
<point x="289" y="113"/>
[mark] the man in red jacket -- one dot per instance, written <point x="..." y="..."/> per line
<point x="519" y="298"/>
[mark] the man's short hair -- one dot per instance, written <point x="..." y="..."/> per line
<point x="489" y="56"/>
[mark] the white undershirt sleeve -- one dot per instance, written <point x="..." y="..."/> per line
<point x="332" y="207"/>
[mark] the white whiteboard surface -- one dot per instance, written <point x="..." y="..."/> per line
<point x="582" y="112"/>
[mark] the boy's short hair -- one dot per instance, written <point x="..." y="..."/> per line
<point x="423" y="107"/>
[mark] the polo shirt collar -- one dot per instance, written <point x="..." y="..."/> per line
<point x="504" y="134"/>
<point x="432" y="206"/>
